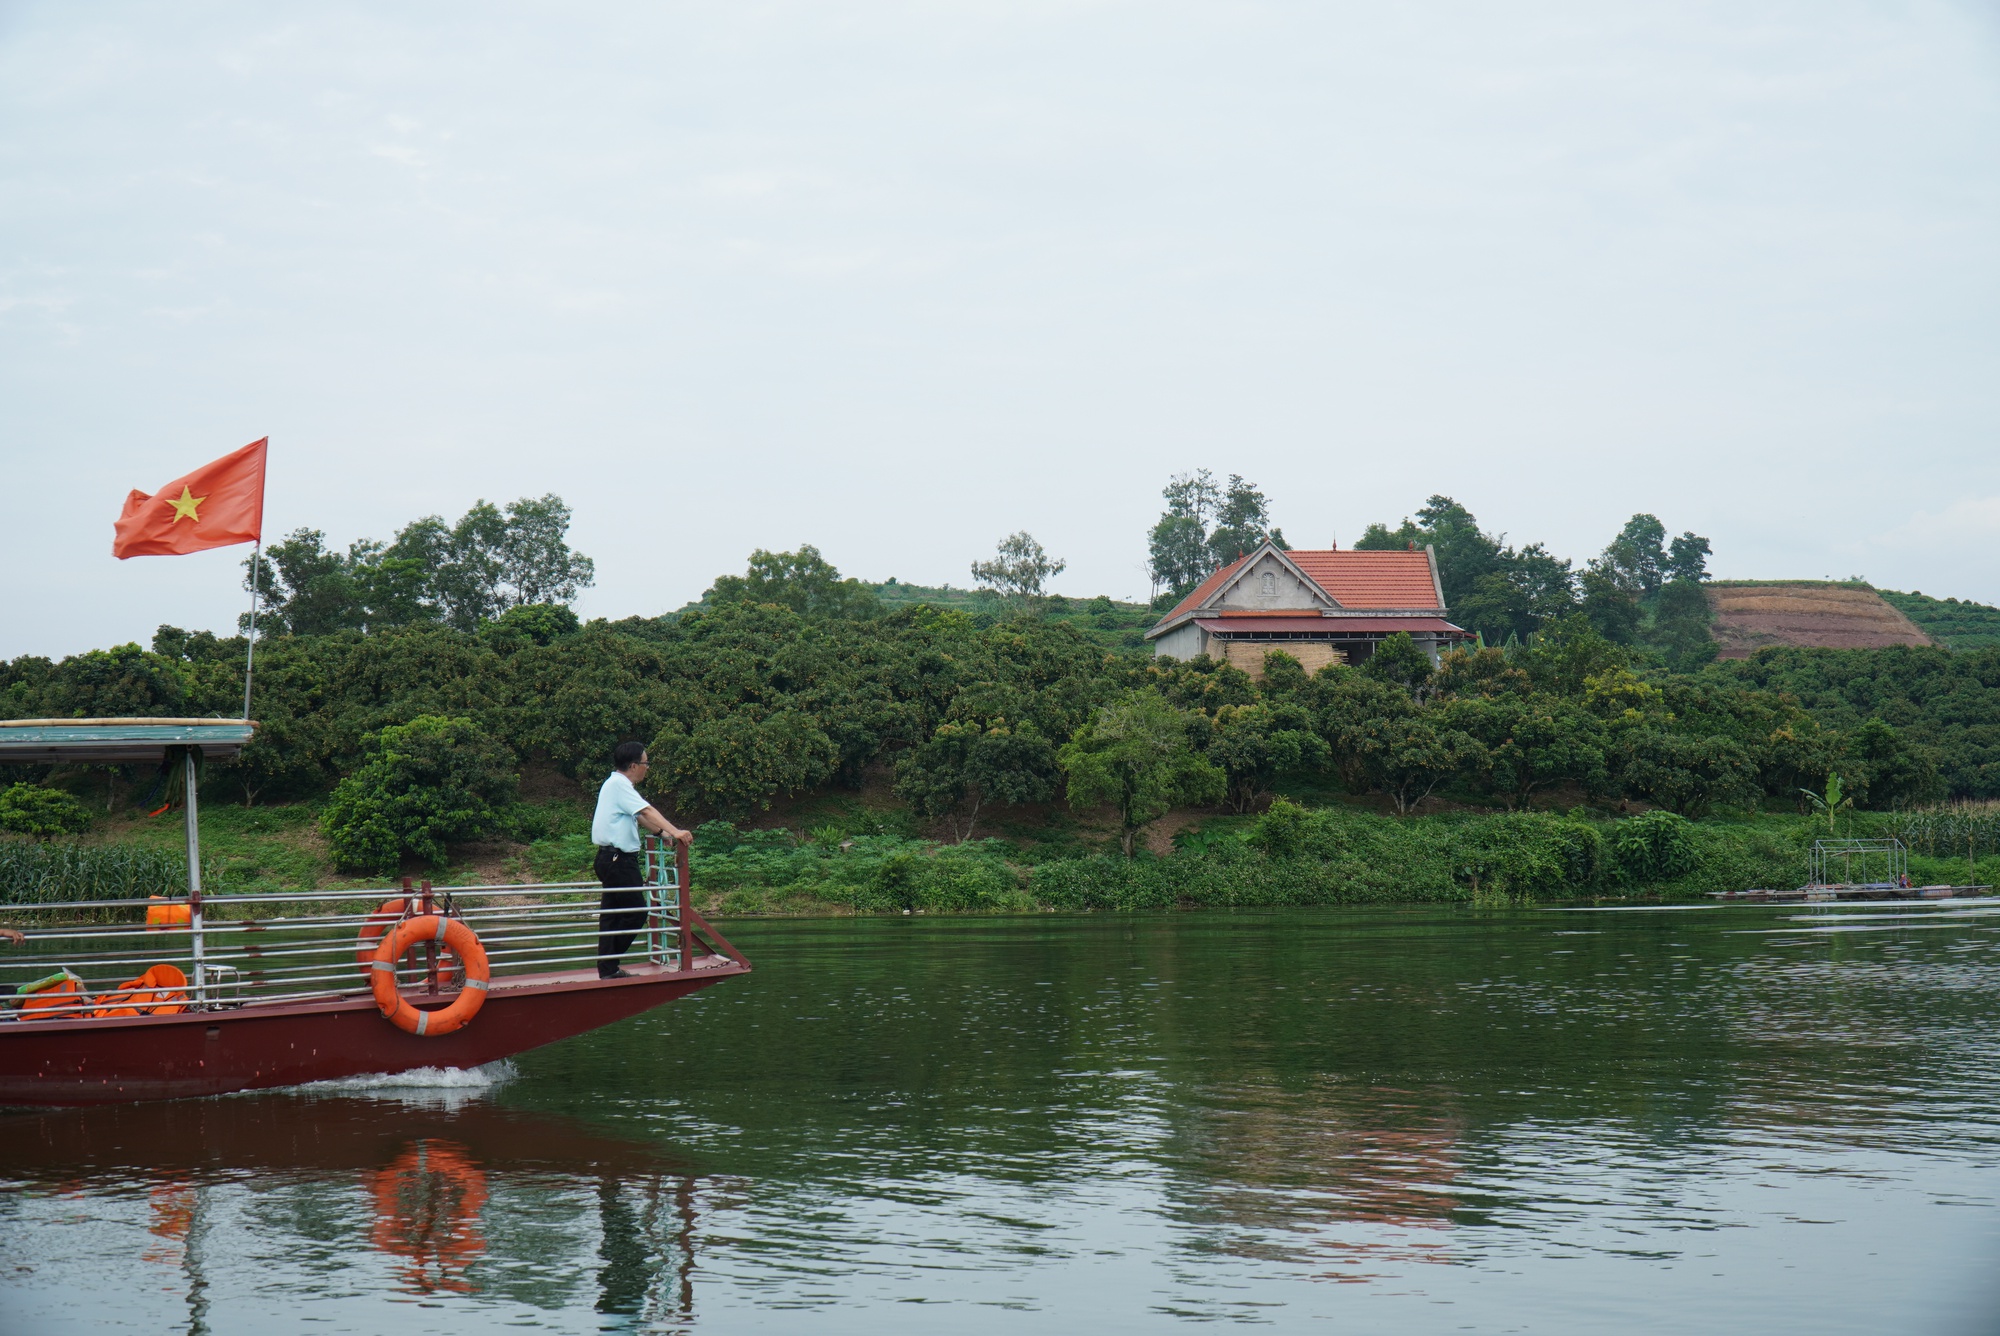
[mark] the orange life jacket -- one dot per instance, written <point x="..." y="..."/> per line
<point x="160" y="991"/>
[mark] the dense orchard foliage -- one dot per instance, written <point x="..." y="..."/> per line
<point x="745" y="703"/>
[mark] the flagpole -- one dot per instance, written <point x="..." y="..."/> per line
<point x="250" y="662"/>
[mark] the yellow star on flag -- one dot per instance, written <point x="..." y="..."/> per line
<point x="184" y="505"/>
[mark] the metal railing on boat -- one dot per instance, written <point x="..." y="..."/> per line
<point x="232" y="956"/>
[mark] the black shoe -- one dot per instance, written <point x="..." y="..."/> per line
<point x="615" y="974"/>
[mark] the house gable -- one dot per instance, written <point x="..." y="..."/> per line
<point x="1267" y="581"/>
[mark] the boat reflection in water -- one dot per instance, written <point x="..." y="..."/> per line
<point x="448" y="1196"/>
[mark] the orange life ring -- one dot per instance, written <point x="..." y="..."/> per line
<point x="371" y="932"/>
<point x="464" y="944"/>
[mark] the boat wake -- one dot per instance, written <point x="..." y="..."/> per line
<point x="446" y="1087"/>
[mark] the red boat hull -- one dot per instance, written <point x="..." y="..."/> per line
<point x="115" y="1061"/>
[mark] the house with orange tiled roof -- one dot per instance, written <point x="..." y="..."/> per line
<point x="1321" y="607"/>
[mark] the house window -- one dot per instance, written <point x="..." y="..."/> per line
<point x="1270" y="582"/>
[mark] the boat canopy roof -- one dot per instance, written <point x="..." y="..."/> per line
<point x="31" y="741"/>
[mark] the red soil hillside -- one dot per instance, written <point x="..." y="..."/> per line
<point x="1818" y="616"/>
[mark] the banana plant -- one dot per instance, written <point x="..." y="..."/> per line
<point x="1830" y="803"/>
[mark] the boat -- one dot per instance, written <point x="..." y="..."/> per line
<point x="118" y="1000"/>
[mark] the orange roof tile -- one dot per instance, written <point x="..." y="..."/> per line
<point x="1203" y="590"/>
<point x="1357" y="579"/>
<point x="1352" y="578"/>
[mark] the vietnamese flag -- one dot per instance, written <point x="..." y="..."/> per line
<point x="218" y="504"/>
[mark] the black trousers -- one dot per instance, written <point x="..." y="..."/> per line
<point x="622" y="912"/>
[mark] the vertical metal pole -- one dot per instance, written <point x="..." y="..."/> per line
<point x="686" y="905"/>
<point x="430" y="948"/>
<point x="188" y="757"/>
<point x="250" y="662"/>
<point x="654" y="874"/>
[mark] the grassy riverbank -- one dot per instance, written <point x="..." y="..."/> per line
<point x="856" y="859"/>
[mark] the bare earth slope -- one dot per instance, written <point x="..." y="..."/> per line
<point x="1820" y="616"/>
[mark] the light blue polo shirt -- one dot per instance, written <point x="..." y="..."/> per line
<point x="616" y="821"/>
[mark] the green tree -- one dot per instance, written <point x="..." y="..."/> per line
<point x="1481" y="672"/>
<point x="30" y="809"/>
<point x="1020" y="569"/>
<point x="1638" y="554"/>
<point x="967" y="764"/>
<point x="492" y="560"/>
<point x="1565" y="654"/>
<point x="394" y="588"/>
<point x="305" y="587"/>
<point x="1684" y="774"/>
<point x="1498" y="590"/>
<point x="1496" y="608"/>
<point x="1534" y="743"/>
<point x="463" y="574"/>
<point x="542" y="623"/>
<point x="1256" y="744"/>
<point x="1242" y="524"/>
<point x="1892" y="771"/>
<point x="1135" y="755"/>
<point x="1681" y="619"/>
<point x="1177" y="545"/>
<point x="424" y="785"/>
<point x="803" y="581"/>
<point x="1406" y="757"/>
<point x="1398" y="660"/>
<point x="1687" y="558"/>
<point x="739" y="762"/>
<point x="1611" y="600"/>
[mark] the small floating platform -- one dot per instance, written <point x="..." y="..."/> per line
<point x="1881" y="890"/>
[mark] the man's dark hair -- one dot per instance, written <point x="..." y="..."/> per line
<point x="627" y="754"/>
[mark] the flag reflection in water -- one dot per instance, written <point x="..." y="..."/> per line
<point x="427" y="1203"/>
<point x="171" y="1205"/>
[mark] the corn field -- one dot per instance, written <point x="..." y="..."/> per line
<point x="1953" y="830"/>
<point x="35" y="873"/>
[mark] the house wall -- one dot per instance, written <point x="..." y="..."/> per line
<point x="1282" y="590"/>
<point x="1248" y="655"/>
<point x="1183" y="642"/>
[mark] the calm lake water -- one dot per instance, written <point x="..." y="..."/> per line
<point x="1409" y="1121"/>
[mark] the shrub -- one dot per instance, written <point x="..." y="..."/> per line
<point x="1657" y="846"/>
<point x="424" y="784"/>
<point x="1528" y="856"/>
<point x="1281" y="831"/>
<point x="30" y="809"/>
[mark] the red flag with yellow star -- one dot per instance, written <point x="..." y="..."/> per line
<point x="218" y="504"/>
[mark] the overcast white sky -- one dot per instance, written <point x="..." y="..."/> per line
<point x="898" y="279"/>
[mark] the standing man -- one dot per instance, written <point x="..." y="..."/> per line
<point x="615" y="832"/>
